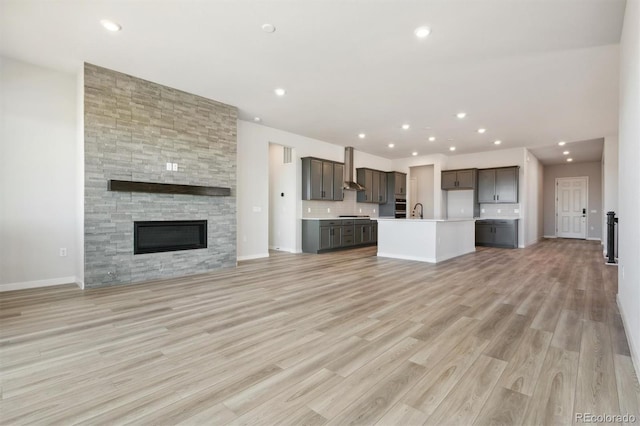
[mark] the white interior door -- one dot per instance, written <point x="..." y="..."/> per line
<point x="571" y="207"/>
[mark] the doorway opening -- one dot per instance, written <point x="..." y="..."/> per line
<point x="282" y="198"/>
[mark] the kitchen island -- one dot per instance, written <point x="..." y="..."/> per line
<point x="425" y="240"/>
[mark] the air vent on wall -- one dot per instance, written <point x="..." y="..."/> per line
<point x="286" y="155"/>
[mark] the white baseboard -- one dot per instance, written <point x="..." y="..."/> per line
<point x="39" y="283"/>
<point x="285" y="249"/>
<point x="406" y="257"/>
<point x="635" y="358"/>
<point x="252" y="256"/>
<point x="593" y="239"/>
<point x="549" y="236"/>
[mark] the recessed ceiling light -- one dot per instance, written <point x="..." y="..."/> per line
<point x="257" y="119"/>
<point x="405" y="126"/>
<point x="110" y="25"/>
<point x="497" y="142"/>
<point x="452" y="148"/>
<point x="461" y="115"/>
<point x="391" y="145"/>
<point x="432" y="138"/>
<point x="362" y="135"/>
<point x="414" y="153"/>
<point x="569" y="159"/>
<point x="561" y="143"/>
<point x="482" y="130"/>
<point x="280" y="91"/>
<point x="565" y="152"/>
<point x="422" y="32"/>
<point x="268" y="28"/>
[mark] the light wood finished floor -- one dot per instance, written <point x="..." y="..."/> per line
<point x="527" y="337"/>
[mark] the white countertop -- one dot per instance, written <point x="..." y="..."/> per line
<point x="427" y="220"/>
<point x="338" y="218"/>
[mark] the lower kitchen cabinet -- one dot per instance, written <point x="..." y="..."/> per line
<point x="319" y="235"/>
<point x="497" y="233"/>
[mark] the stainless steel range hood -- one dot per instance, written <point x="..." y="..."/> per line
<point x="349" y="182"/>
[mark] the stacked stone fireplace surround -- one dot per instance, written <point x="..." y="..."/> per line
<point x="132" y="128"/>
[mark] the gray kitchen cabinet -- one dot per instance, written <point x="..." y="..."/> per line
<point x="338" y="181"/>
<point x="484" y="233"/>
<point x="321" y="179"/>
<point x="400" y="184"/>
<point x="375" y="184"/>
<point x="497" y="233"/>
<point x="396" y="194"/>
<point x="320" y="235"/>
<point x="362" y="231"/>
<point x="498" y="185"/>
<point x="458" y="179"/>
<point x="382" y="188"/>
<point x="374" y="231"/>
<point x="347" y="234"/>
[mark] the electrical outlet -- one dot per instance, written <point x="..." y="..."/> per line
<point x="169" y="166"/>
<point x="308" y="209"/>
<point x="481" y="210"/>
<point x="63" y="252"/>
<point x="174" y="166"/>
<point x="360" y="211"/>
<point x="374" y="210"/>
<point x="499" y="211"/>
<point x="328" y="210"/>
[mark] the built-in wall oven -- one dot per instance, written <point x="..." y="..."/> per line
<point x="401" y="208"/>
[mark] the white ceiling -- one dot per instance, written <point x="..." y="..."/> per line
<point x="579" y="152"/>
<point x="531" y="72"/>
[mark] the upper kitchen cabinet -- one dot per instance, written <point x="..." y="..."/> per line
<point x="400" y="184"/>
<point x="498" y="185"/>
<point x="338" y="180"/>
<point x="321" y="179"/>
<point x="458" y="179"/>
<point x="375" y="184"/>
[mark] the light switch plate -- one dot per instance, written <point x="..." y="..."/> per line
<point x="499" y="211"/>
<point x="516" y="210"/>
<point x="169" y="166"/>
<point x="175" y="167"/>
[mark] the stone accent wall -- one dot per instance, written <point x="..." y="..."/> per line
<point x="133" y="128"/>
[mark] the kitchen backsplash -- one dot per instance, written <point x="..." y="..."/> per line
<point x="499" y="210"/>
<point x="330" y="209"/>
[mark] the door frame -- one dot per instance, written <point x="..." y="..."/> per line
<point x="586" y="199"/>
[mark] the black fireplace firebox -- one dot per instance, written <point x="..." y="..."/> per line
<point x="169" y="235"/>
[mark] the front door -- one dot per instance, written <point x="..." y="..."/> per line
<point x="571" y="207"/>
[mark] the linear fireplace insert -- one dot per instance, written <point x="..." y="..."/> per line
<point x="169" y="235"/>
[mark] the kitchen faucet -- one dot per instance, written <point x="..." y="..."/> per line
<point x="421" y="209"/>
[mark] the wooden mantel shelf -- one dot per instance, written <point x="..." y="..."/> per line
<point x="167" y="188"/>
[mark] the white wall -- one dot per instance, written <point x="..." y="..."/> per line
<point x="253" y="181"/>
<point x="629" y="176"/>
<point x="534" y="172"/>
<point x="282" y="201"/>
<point x="609" y="182"/>
<point x="38" y="180"/>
